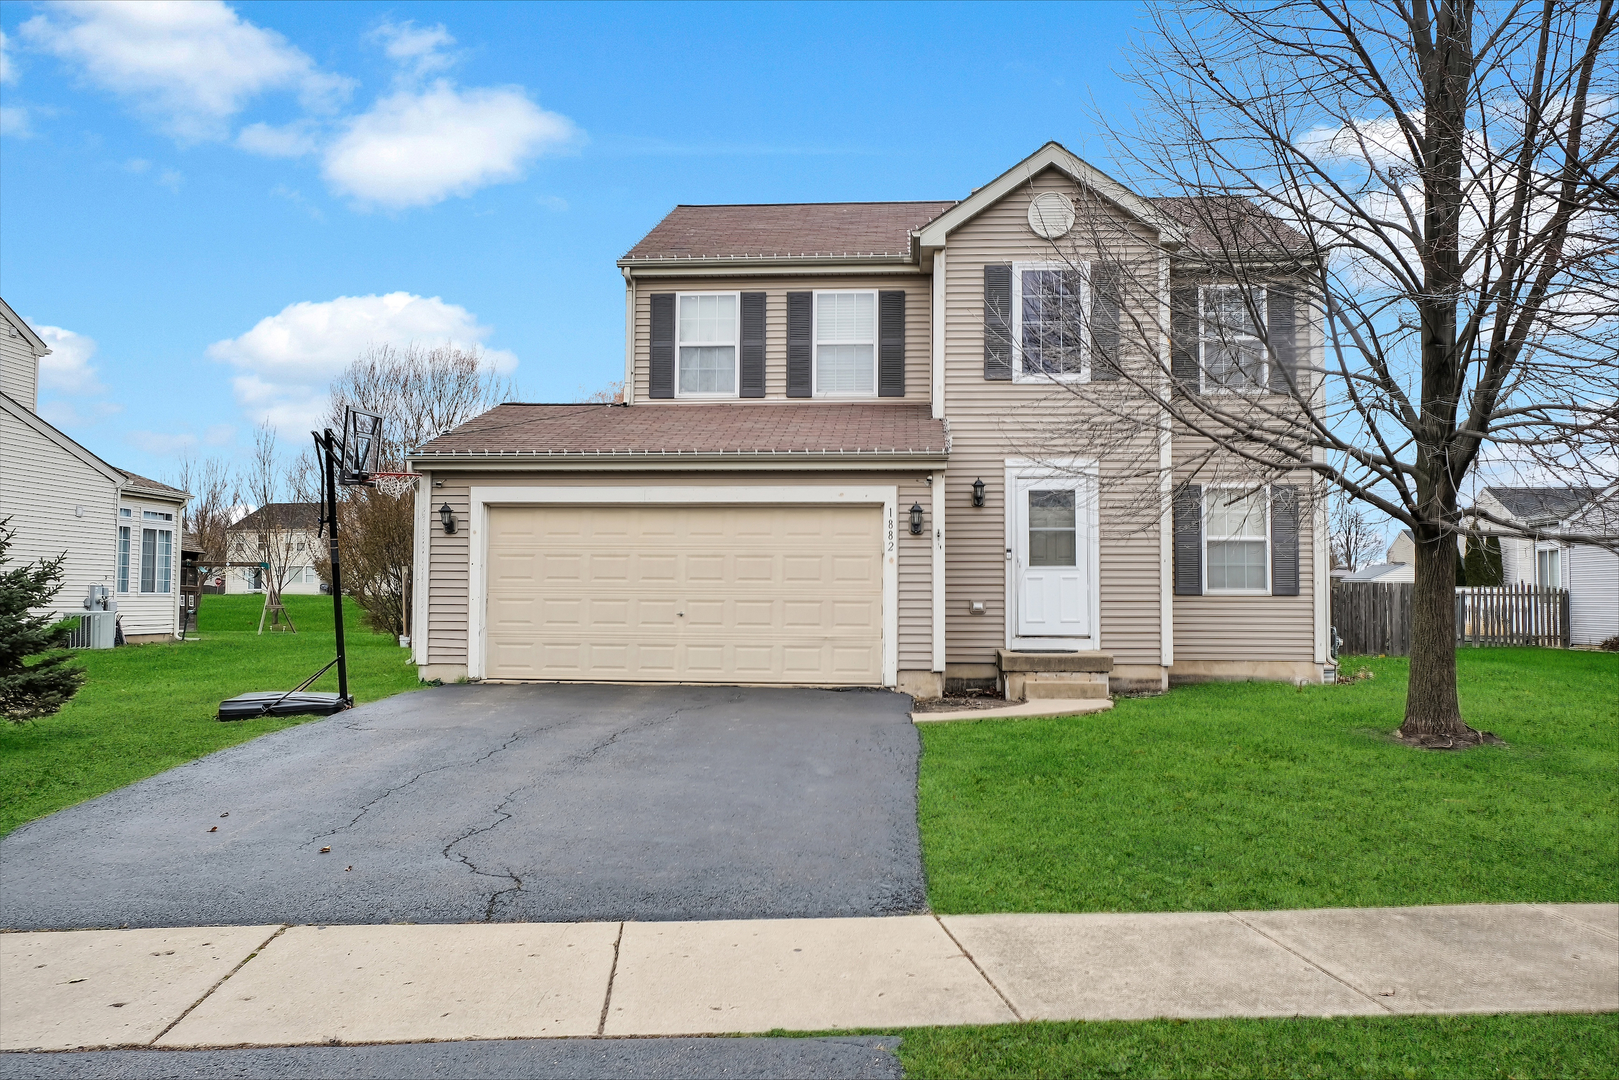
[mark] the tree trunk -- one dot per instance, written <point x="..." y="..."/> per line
<point x="1431" y="705"/>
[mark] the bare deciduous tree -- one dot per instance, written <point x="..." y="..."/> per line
<point x="214" y="497"/>
<point x="1355" y="542"/>
<point x="1395" y="266"/>
<point x="280" y="522"/>
<point x="420" y="393"/>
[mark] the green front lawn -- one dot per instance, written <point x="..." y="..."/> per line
<point x="147" y="708"/>
<point x="1386" y="1046"/>
<point x="1260" y="795"/>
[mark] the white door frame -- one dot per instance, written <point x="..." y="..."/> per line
<point x="1086" y="472"/>
<point x="482" y="498"/>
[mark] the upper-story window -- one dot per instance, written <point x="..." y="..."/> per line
<point x="156" y="515"/>
<point x="845" y="344"/>
<point x="706" y="353"/>
<point x="1049" y="320"/>
<point x="1233" y="353"/>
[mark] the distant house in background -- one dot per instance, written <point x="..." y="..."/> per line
<point x="1404" y="549"/>
<point x="116" y="529"/>
<point x="287" y="527"/>
<point x="1388" y="573"/>
<point x="1589" y="572"/>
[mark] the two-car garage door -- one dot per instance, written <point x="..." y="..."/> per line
<point x="717" y="594"/>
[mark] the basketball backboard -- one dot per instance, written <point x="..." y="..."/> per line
<point x="362" y="443"/>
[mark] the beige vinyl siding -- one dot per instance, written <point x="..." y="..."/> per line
<point x="154" y="612"/>
<point x="991" y="422"/>
<point x="41" y="486"/>
<point x="19" y="368"/>
<point x="448" y="565"/>
<point x="918" y="381"/>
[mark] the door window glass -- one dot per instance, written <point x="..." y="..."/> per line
<point x="1051" y="528"/>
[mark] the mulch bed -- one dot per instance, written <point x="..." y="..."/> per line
<point x="962" y="699"/>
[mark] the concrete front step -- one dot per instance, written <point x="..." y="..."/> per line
<point x="1063" y="689"/>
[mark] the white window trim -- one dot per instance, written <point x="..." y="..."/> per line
<point x="1084" y="373"/>
<point x="125" y="559"/>
<point x="482" y="498"/>
<point x="157" y="560"/>
<point x="1085" y="472"/>
<point x="736" y="348"/>
<point x="1203" y="531"/>
<point x="1562" y="565"/>
<point x="815" y="344"/>
<point x="1263" y="382"/>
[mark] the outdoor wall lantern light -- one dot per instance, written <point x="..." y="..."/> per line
<point x="916" y="519"/>
<point x="978" y="492"/>
<point x="446" y="515"/>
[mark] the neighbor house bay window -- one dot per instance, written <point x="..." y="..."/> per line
<point x="707" y="337"/>
<point x="846" y="344"/>
<point x="123" y="558"/>
<point x="1237" y="541"/>
<point x="1233" y="353"/>
<point x="157" y="560"/>
<point x="1050" y="321"/>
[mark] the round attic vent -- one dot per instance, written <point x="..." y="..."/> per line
<point x="1051" y="215"/>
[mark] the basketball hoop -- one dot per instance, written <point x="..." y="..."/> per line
<point x="394" y="484"/>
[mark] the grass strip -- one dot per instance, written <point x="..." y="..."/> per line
<point x="1231" y="796"/>
<point x="147" y="708"/>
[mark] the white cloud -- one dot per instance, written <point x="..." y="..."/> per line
<point x="188" y="64"/>
<point x="288" y="360"/>
<point x="292" y="140"/>
<point x="8" y="71"/>
<point x="416" y="149"/>
<point x="14" y="122"/>
<point x="64" y="414"/>
<point x="68" y="366"/>
<point x="421" y="50"/>
<point x="161" y="444"/>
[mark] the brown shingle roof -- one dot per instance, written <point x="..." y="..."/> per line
<point x="1231" y="226"/>
<point x="148" y="484"/>
<point x="786" y="230"/>
<point x="820" y="428"/>
<point x="280" y="516"/>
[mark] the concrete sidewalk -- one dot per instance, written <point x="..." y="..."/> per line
<point x="311" y="985"/>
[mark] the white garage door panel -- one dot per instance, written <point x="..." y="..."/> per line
<point x="694" y="593"/>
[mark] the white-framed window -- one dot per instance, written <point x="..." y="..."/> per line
<point x="1232" y="352"/>
<point x="1050" y="309"/>
<point x="1236" y="541"/>
<point x="1549" y="568"/>
<point x="124" y="511"/>
<point x="845" y="344"/>
<point x="123" y="556"/>
<point x="707" y="330"/>
<point x="156" y="515"/>
<point x="157" y="560"/>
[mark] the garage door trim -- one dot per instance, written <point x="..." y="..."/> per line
<point x="482" y="498"/>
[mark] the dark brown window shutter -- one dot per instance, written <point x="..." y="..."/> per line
<point x="800" y="343"/>
<point x="753" y="345"/>
<point x="1107" y="281"/>
<point x="998" y="321"/>
<point x="891" y="344"/>
<point x="1189" y="540"/>
<point x="661" y="374"/>
<point x="1183" y="338"/>
<point x="1281" y="329"/>
<point x="1284" y="540"/>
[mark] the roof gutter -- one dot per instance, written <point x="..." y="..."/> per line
<point x="527" y="460"/>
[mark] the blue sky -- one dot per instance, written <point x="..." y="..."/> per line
<point x="213" y="207"/>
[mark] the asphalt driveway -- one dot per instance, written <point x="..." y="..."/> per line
<point x="520" y="803"/>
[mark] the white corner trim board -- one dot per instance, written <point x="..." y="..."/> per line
<point x="482" y="498"/>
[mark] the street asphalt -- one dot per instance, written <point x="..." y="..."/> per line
<point x="517" y="1059"/>
<point x="540" y="803"/>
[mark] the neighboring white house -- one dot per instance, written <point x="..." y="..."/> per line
<point x="290" y="528"/>
<point x="1388" y="573"/>
<point x="1589" y="572"/>
<point x="116" y="529"/>
<point x="1404" y="549"/>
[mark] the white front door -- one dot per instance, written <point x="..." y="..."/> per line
<point x="1052" y="564"/>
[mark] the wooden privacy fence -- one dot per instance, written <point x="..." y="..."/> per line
<point x="1374" y="618"/>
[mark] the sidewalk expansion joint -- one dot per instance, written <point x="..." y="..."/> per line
<point x="208" y="993"/>
<point x="1281" y="945"/>
<point x="612" y="973"/>
<point x="979" y="968"/>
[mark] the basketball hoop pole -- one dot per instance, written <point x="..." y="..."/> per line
<point x="330" y="465"/>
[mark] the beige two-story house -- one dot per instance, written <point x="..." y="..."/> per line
<point x="839" y="461"/>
